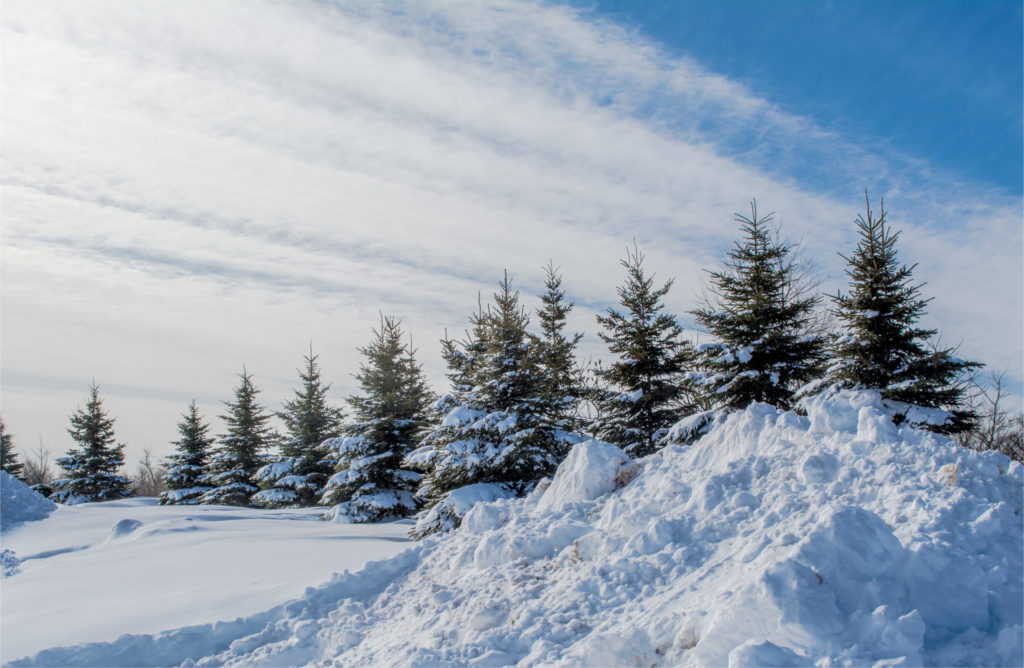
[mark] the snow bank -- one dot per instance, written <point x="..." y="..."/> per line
<point x="776" y="539"/>
<point x="19" y="504"/>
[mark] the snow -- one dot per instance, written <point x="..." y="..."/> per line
<point x="831" y="538"/>
<point x="19" y="504"/>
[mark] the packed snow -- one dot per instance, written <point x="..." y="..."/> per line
<point x="834" y="538"/>
<point x="19" y="504"/>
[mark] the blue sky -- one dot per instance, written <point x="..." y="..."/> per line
<point x="188" y="187"/>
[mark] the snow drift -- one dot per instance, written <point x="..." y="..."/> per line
<point x="18" y="503"/>
<point x="776" y="539"/>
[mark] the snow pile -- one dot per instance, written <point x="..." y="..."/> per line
<point x="18" y="503"/>
<point x="775" y="539"/>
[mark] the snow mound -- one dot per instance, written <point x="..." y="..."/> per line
<point x="834" y="538"/>
<point x="18" y="503"/>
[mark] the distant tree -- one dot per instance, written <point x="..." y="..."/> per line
<point x="762" y="319"/>
<point x="91" y="469"/>
<point x="38" y="473"/>
<point x="187" y="467"/>
<point x="371" y="483"/>
<point x="299" y="477"/>
<point x="882" y="346"/>
<point x="239" y="455"/>
<point x="563" y="386"/>
<point x="997" y="427"/>
<point x="8" y="457"/>
<point x="148" y="479"/>
<point x="645" y="390"/>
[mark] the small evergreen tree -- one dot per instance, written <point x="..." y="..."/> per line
<point x="91" y="468"/>
<point x="299" y="477"/>
<point x="765" y="350"/>
<point x="248" y="435"/>
<point x="641" y="394"/>
<point x="185" y="468"/>
<point x="563" y="388"/>
<point x="8" y="457"/>
<point x="371" y="484"/>
<point x="883" y="347"/>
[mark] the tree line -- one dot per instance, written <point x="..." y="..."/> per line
<point x="519" y="399"/>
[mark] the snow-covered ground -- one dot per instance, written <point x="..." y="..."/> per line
<point x="833" y="539"/>
<point x="95" y="571"/>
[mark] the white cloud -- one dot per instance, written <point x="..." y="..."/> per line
<point x="189" y="186"/>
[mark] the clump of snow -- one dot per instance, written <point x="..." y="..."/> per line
<point x="19" y="504"/>
<point x="835" y="538"/>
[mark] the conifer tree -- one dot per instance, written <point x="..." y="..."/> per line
<point x="563" y="387"/>
<point x="8" y="457"/>
<point x="645" y="390"/>
<point x="371" y="484"/>
<point x="186" y="468"/>
<point x="91" y="468"/>
<point x="299" y="477"/>
<point x="766" y="350"/>
<point x="493" y="439"/>
<point x="248" y="435"/>
<point x="883" y="347"/>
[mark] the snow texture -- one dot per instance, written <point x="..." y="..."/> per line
<point x="19" y="504"/>
<point x="834" y="539"/>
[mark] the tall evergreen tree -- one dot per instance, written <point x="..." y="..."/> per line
<point x="8" y="457"/>
<point x="371" y="483"/>
<point x="493" y="439"/>
<point x="563" y="386"/>
<point x="645" y="390"/>
<point x="765" y="350"/>
<point x="248" y="435"/>
<point x="299" y="477"/>
<point x="91" y="468"/>
<point x="883" y="347"/>
<point x="186" y="468"/>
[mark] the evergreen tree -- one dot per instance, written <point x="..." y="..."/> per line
<point x="563" y="388"/>
<point x="883" y="347"/>
<point x="493" y="439"/>
<point x="234" y="466"/>
<point x="371" y="484"/>
<point x="645" y="391"/>
<point x="766" y="350"/>
<point x="185" y="468"/>
<point x="299" y="477"/>
<point x="8" y="457"/>
<point x="91" y="468"/>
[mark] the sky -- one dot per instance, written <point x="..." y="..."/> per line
<point x="190" y="187"/>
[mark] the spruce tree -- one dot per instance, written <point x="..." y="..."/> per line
<point x="883" y="347"/>
<point x="563" y="388"/>
<point x="91" y="468"/>
<point x="299" y="477"/>
<point x="645" y="390"/>
<point x="765" y="350"/>
<point x="8" y="457"/>
<point x="232" y="470"/>
<point x="493" y="439"/>
<point x="371" y="484"/>
<point x="186" y="468"/>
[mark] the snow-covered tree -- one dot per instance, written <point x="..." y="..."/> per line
<point x="882" y="345"/>
<point x="186" y="467"/>
<point x="563" y="385"/>
<point x="90" y="469"/>
<point x="239" y="455"/>
<point x="299" y="476"/>
<point x="762" y="319"/>
<point x="371" y="483"/>
<point x="645" y="390"/>
<point x="8" y="457"/>
<point x="493" y="439"/>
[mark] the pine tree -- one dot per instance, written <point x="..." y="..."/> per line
<point x="765" y="350"/>
<point x="91" y="468"/>
<point x="645" y="390"/>
<point x="8" y="457"/>
<point x="371" y="484"/>
<point x="185" y="468"/>
<point x="492" y="439"/>
<point x="299" y="477"/>
<point x="234" y="466"/>
<point x="563" y="387"/>
<point x="883" y="347"/>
